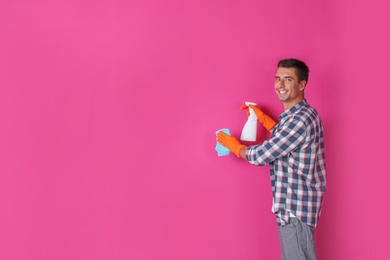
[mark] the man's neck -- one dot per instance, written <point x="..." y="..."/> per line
<point x="288" y="105"/>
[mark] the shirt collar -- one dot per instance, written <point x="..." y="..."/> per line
<point x="293" y="109"/>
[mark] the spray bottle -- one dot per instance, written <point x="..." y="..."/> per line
<point x="249" y="131"/>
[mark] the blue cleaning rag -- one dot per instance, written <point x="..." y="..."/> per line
<point x="222" y="150"/>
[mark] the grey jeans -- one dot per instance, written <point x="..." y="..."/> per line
<point x="297" y="241"/>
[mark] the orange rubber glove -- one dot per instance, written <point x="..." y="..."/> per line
<point x="230" y="142"/>
<point x="265" y="120"/>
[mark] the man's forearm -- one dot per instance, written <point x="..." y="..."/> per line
<point x="243" y="152"/>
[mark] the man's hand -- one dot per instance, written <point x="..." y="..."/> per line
<point x="230" y="142"/>
<point x="265" y="120"/>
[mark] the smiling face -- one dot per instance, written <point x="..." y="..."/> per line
<point x="288" y="87"/>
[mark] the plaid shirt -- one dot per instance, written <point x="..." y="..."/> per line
<point x="296" y="156"/>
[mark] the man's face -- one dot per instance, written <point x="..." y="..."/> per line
<point x="287" y="87"/>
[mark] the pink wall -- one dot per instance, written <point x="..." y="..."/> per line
<point x="108" y="111"/>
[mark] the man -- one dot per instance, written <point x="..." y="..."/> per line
<point x="295" y="152"/>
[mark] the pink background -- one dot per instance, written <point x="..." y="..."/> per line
<point x="108" y="112"/>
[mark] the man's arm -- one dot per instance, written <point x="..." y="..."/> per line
<point x="243" y="152"/>
<point x="288" y="137"/>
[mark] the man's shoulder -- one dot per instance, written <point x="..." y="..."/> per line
<point x="306" y="113"/>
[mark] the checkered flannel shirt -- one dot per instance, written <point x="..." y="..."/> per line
<point x="296" y="155"/>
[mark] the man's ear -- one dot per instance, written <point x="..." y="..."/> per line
<point x="302" y="85"/>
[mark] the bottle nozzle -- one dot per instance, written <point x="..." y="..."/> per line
<point x="250" y="103"/>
